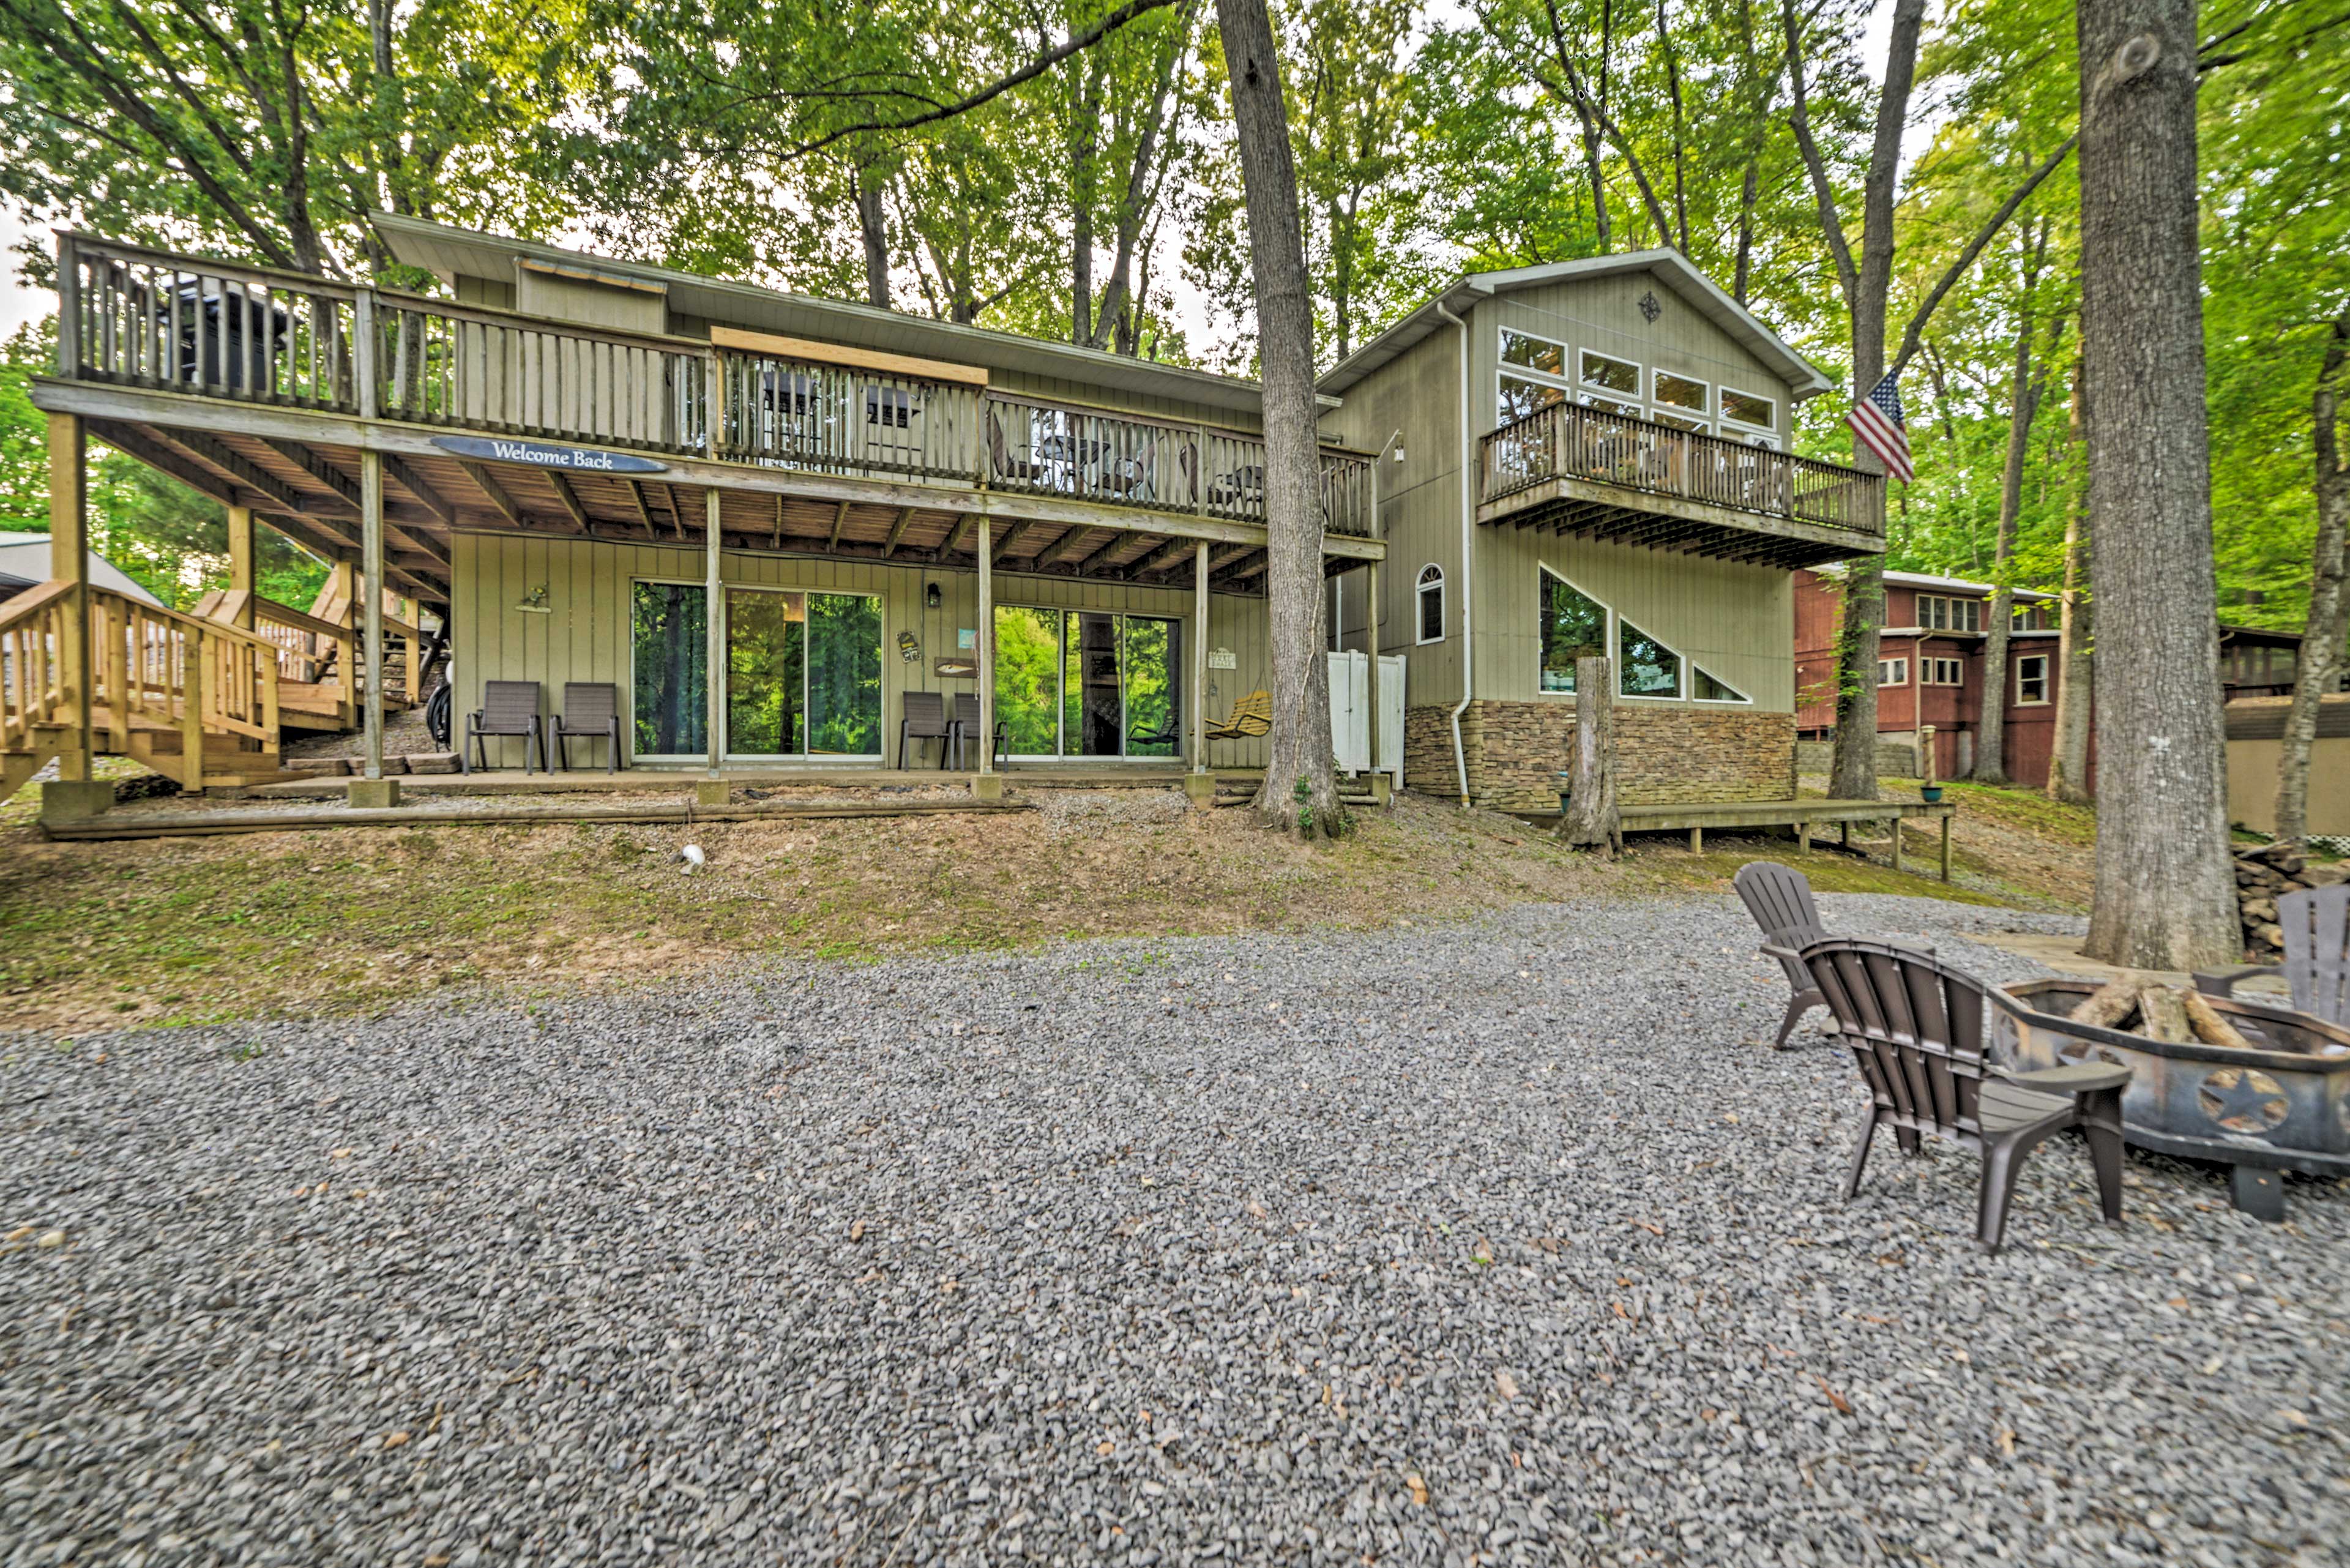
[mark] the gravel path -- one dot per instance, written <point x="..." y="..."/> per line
<point x="1504" y="1243"/>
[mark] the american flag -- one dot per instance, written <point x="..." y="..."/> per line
<point x="1876" y="421"/>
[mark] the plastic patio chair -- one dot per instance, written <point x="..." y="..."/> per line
<point x="924" y="719"/>
<point x="2316" y="967"/>
<point x="1915" y="1027"/>
<point x="1780" y="899"/>
<point x="509" y="708"/>
<point x="591" y="711"/>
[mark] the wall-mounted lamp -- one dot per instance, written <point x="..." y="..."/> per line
<point x="534" y="602"/>
<point x="930" y="595"/>
<point x="1395" y="446"/>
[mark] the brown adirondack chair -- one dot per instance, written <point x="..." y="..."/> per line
<point x="591" y="710"/>
<point x="1780" y="899"/>
<point x="1915" y="1027"/>
<point x="2316" y="967"/>
<point x="508" y="707"/>
<point x="924" y="719"/>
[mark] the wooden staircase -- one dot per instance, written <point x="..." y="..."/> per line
<point x="321" y="673"/>
<point x="185" y="695"/>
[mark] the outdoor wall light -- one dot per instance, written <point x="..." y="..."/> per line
<point x="930" y="595"/>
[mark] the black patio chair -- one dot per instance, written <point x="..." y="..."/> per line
<point x="967" y="729"/>
<point x="591" y="711"/>
<point x="509" y="708"/>
<point x="1915" y="1027"/>
<point x="925" y="720"/>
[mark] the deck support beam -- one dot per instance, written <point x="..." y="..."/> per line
<point x="242" y="574"/>
<point x="713" y="679"/>
<point x="69" y="562"/>
<point x="986" y="659"/>
<point x="372" y="613"/>
<point x="1200" y="658"/>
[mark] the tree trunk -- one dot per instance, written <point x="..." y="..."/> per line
<point x="1299" y="747"/>
<point x="2164" y="885"/>
<point x="1592" y="820"/>
<point x="872" y="224"/>
<point x="2024" y="402"/>
<point x="2319" y="669"/>
<point x="1852" y="775"/>
<point x="2068" y="762"/>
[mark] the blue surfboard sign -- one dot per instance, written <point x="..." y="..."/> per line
<point x="546" y="454"/>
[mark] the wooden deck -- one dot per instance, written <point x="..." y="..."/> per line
<point x="1800" y="817"/>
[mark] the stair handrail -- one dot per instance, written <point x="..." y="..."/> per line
<point x="186" y="671"/>
<point x="33" y="686"/>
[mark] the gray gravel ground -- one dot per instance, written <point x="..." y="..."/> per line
<point x="1505" y="1242"/>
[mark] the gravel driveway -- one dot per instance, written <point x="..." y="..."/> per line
<point x="1503" y="1242"/>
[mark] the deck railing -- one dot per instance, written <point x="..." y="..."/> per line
<point x="150" y="318"/>
<point x="151" y="669"/>
<point x="1567" y="440"/>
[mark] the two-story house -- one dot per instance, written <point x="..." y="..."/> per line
<point x="1930" y="670"/>
<point x="1593" y="457"/>
<point x="766" y="520"/>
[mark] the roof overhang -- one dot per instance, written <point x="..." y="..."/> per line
<point x="1672" y="268"/>
<point x="449" y="253"/>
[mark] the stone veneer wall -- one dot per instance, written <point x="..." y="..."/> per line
<point x="1664" y="754"/>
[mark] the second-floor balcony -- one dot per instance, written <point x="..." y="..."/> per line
<point x="1577" y="470"/>
<point x="915" y="435"/>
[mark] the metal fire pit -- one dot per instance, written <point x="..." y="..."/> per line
<point x="2257" y="1111"/>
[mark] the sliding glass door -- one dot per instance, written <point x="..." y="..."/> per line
<point x="803" y="674"/>
<point x="1079" y="683"/>
<point x="668" y="662"/>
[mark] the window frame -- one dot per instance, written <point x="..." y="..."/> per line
<point x="1901" y="660"/>
<point x="1676" y="414"/>
<point x="1606" y="616"/>
<point x="1601" y="389"/>
<point x="1721" y="396"/>
<point x="1503" y="371"/>
<point x="1422" y="586"/>
<point x="1742" y="701"/>
<point x="2046" y="679"/>
<point x="1930" y="671"/>
<point x="1680" y="672"/>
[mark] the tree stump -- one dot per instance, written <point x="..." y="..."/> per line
<point x="1591" y="819"/>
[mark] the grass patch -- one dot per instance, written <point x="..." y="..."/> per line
<point x="2027" y="810"/>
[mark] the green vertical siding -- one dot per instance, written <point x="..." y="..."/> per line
<point x="585" y="636"/>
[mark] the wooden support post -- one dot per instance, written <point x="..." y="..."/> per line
<point x="714" y="613"/>
<point x="1945" y="844"/>
<point x="242" y="570"/>
<point x="1697" y="841"/>
<point x="371" y="612"/>
<point x="1199" y="659"/>
<point x="1843" y="833"/>
<point x="1896" y="843"/>
<point x="1804" y="836"/>
<point x="986" y="655"/>
<point x="192" y="714"/>
<point x="69" y="562"/>
<point x="1591" y="819"/>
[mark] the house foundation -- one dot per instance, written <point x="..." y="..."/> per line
<point x="1665" y="755"/>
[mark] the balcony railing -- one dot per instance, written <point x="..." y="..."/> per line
<point x="1567" y="440"/>
<point x="148" y="318"/>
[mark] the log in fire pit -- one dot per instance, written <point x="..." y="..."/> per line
<point x="2283" y="1106"/>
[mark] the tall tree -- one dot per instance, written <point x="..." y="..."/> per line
<point x="2319" y="670"/>
<point x="1298" y="772"/>
<point x="2026" y="383"/>
<point x="2165" y="893"/>
<point x="2068" y="759"/>
<point x="1865" y="281"/>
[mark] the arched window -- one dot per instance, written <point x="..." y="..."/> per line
<point x="1432" y="603"/>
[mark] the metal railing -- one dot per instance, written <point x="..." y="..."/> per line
<point x="136" y="317"/>
<point x="1567" y="440"/>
